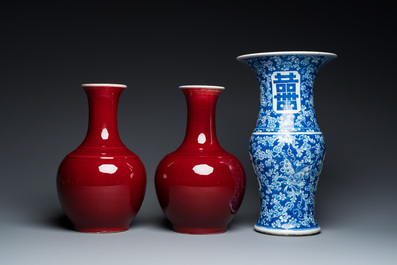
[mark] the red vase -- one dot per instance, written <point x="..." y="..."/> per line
<point x="200" y="186"/>
<point x="101" y="184"/>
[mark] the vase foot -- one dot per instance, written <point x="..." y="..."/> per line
<point x="101" y="230"/>
<point x="199" y="231"/>
<point x="288" y="232"/>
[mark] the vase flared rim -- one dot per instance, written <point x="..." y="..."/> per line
<point x="265" y="54"/>
<point x="103" y="85"/>
<point x="201" y="86"/>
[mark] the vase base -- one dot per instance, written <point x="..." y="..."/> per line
<point x="199" y="231"/>
<point x="287" y="232"/>
<point x="101" y="230"/>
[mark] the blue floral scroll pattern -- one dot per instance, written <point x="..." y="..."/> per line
<point x="287" y="148"/>
<point x="287" y="167"/>
<point x="307" y="65"/>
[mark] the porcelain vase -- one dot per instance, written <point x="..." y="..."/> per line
<point x="200" y="186"/>
<point x="287" y="148"/>
<point x="101" y="184"/>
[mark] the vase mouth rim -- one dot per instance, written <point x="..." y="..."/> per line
<point x="201" y="86"/>
<point x="265" y="54"/>
<point x="103" y="85"/>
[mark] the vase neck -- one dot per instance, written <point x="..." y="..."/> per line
<point x="102" y="127"/>
<point x="286" y="81"/>
<point x="200" y="131"/>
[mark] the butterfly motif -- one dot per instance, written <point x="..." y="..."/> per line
<point x="294" y="182"/>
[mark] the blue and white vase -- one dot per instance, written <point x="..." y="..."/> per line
<point x="287" y="148"/>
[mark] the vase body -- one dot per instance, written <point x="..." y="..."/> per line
<point x="200" y="186"/>
<point x="287" y="148"/>
<point x="101" y="184"/>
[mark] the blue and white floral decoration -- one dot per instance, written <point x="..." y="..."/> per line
<point x="287" y="148"/>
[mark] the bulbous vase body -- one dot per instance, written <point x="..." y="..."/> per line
<point x="101" y="184"/>
<point x="200" y="186"/>
<point x="287" y="148"/>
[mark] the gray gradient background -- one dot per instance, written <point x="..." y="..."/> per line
<point x="48" y="48"/>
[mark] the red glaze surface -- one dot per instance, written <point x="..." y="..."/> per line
<point x="200" y="186"/>
<point x="101" y="184"/>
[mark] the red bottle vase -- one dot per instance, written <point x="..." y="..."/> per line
<point x="200" y="186"/>
<point x="101" y="184"/>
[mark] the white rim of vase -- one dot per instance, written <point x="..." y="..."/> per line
<point x="287" y="232"/>
<point x="202" y="86"/>
<point x="103" y="85"/>
<point x="265" y="54"/>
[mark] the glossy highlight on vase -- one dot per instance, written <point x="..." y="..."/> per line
<point x="101" y="184"/>
<point x="200" y="186"/>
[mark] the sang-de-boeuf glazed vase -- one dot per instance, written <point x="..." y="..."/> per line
<point x="287" y="147"/>
<point x="200" y="186"/>
<point x="101" y="184"/>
